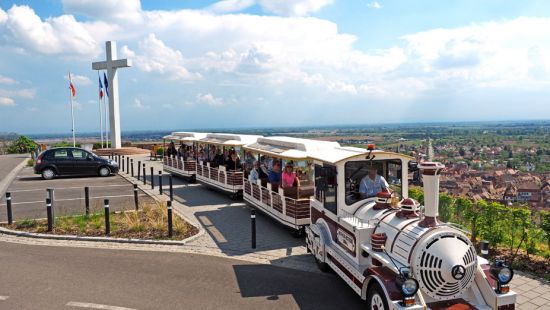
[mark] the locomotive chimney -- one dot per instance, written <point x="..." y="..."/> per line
<point x="430" y="176"/>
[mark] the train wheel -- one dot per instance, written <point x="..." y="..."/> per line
<point x="376" y="299"/>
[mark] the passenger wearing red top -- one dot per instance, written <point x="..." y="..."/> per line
<point x="288" y="177"/>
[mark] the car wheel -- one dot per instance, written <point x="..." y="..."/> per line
<point x="376" y="299"/>
<point x="48" y="174"/>
<point x="104" y="171"/>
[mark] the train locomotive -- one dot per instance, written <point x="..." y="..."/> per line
<point x="397" y="254"/>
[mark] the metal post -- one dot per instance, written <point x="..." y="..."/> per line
<point x="138" y="169"/>
<point x="123" y="163"/>
<point x="132" y="167"/>
<point x="144" y="172"/>
<point x="8" y="204"/>
<point x="87" y="199"/>
<point x="136" y="201"/>
<point x="107" y="223"/>
<point x="118" y="161"/>
<point x="127" y="164"/>
<point x="171" y="187"/>
<point x="253" y="222"/>
<point x="49" y="213"/>
<point x="160" y="182"/>
<point x="152" y="178"/>
<point x="51" y="194"/>
<point x="484" y="247"/>
<point x="170" y="230"/>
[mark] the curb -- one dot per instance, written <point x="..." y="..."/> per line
<point x="6" y="182"/>
<point x="84" y="238"/>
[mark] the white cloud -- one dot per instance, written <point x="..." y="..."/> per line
<point x="226" y="6"/>
<point x="138" y="105"/>
<point x="6" y="80"/>
<point x="293" y="8"/>
<point x="155" y="56"/>
<point x="5" y="101"/>
<point x="79" y="80"/>
<point x="374" y="5"/>
<point x="55" y="35"/>
<point x="114" y="10"/>
<point x="27" y="93"/>
<point x="209" y="99"/>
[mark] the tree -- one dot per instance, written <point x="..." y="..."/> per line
<point x="545" y="225"/>
<point x="446" y="207"/>
<point x="21" y="145"/>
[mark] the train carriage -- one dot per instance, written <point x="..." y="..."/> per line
<point x="391" y="251"/>
<point x="289" y="205"/>
<point x="184" y="163"/>
<point x="213" y="172"/>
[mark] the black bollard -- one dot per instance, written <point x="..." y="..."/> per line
<point x="132" y="167"/>
<point x="170" y="182"/>
<point x="152" y="178"/>
<point x="51" y="194"/>
<point x="160" y="182"/>
<point x="144" y="178"/>
<point x="253" y="223"/>
<point x="87" y="199"/>
<point x="118" y="161"/>
<point x="107" y="223"/>
<point x="170" y="230"/>
<point x="123" y="164"/>
<point x="8" y="204"/>
<point x="127" y="164"/>
<point x="136" y="201"/>
<point x="139" y="169"/>
<point x="49" y="213"/>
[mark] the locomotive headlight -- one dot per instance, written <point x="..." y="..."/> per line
<point x="503" y="274"/>
<point x="409" y="287"/>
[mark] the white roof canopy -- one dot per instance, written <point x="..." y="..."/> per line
<point x="185" y="136"/>
<point x="229" y="139"/>
<point x="289" y="147"/>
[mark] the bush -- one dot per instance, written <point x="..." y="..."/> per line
<point x="21" y="145"/>
<point x="65" y="144"/>
<point x="30" y="162"/>
<point x="160" y="151"/>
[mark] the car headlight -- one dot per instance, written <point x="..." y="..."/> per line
<point x="409" y="287"/>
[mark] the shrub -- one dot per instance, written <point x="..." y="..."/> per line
<point x="21" y="145"/>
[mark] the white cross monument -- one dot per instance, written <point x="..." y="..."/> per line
<point x="111" y="65"/>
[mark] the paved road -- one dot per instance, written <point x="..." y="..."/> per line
<point x="29" y="193"/>
<point x="43" y="277"/>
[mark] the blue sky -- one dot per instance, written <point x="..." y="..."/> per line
<point x="248" y="63"/>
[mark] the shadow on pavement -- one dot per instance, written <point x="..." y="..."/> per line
<point x="309" y="290"/>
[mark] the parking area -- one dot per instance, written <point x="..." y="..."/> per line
<point x="28" y="192"/>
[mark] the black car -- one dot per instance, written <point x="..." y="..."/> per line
<point x="72" y="161"/>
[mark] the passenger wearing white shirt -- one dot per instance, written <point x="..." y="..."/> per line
<point x="254" y="173"/>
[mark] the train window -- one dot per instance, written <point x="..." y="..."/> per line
<point x="364" y="179"/>
<point x="325" y="186"/>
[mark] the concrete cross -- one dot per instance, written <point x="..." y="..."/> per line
<point x="111" y="65"/>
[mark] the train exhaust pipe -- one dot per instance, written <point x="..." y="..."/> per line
<point x="430" y="176"/>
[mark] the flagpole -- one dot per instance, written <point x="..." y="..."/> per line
<point x="72" y="110"/>
<point x="100" y="112"/>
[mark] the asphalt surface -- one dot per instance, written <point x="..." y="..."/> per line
<point x="44" y="277"/>
<point x="28" y="193"/>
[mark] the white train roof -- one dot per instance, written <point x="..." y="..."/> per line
<point x="342" y="153"/>
<point x="229" y="139"/>
<point x="185" y="136"/>
<point x="289" y="147"/>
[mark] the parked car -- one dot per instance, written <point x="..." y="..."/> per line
<point x="72" y="161"/>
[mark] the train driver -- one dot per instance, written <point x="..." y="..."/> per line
<point x="372" y="183"/>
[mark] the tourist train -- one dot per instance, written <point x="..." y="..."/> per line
<point x="392" y="251"/>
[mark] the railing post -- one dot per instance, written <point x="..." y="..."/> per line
<point x="171" y="187"/>
<point x="169" y="207"/>
<point x="253" y="224"/>
<point x="160" y="182"/>
<point x="49" y="213"/>
<point x="87" y="199"/>
<point x="152" y="178"/>
<point x="8" y="204"/>
<point x="107" y="222"/>
<point x="136" y="200"/>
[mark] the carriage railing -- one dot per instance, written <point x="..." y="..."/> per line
<point x="230" y="178"/>
<point x="296" y="208"/>
<point x="179" y="163"/>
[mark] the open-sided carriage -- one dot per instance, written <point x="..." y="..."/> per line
<point x="184" y="162"/>
<point x="213" y="153"/>
<point x="287" y="204"/>
<point x="390" y="250"/>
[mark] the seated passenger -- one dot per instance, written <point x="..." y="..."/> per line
<point x="372" y="184"/>
<point x="254" y="174"/>
<point x="234" y="162"/>
<point x="171" y="151"/>
<point x="274" y="176"/>
<point x="289" y="177"/>
<point x="218" y="159"/>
